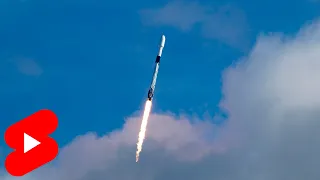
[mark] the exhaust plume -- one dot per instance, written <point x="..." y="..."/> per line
<point x="143" y="128"/>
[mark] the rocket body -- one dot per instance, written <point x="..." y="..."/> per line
<point x="156" y="68"/>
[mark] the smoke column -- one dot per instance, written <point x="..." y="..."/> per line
<point x="143" y="128"/>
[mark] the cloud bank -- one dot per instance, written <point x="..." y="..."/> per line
<point x="272" y="97"/>
<point x="227" y="23"/>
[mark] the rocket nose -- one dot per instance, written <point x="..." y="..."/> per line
<point x="163" y="40"/>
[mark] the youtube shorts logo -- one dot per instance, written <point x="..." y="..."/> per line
<point x="31" y="143"/>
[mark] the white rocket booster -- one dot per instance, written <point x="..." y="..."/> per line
<point x="155" y="72"/>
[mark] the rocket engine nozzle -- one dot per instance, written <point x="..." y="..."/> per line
<point x="150" y="94"/>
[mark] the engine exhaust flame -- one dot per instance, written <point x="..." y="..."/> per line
<point x="143" y="128"/>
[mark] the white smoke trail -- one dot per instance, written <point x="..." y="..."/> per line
<point x="143" y="128"/>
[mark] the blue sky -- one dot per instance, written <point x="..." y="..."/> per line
<point x="91" y="61"/>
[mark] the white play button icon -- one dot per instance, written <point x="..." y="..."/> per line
<point x="29" y="142"/>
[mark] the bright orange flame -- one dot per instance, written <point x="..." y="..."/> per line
<point x="143" y="128"/>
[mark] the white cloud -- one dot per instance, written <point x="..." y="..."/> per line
<point x="178" y="14"/>
<point x="226" y="23"/>
<point x="113" y="155"/>
<point x="272" y="97"/>
<point x="27" y="66"/>
<point x="275" y="94"/>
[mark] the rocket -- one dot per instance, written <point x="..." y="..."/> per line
<point x="156" y="68"/>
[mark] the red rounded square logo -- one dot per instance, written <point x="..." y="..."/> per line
<point x="31" y="143"/>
